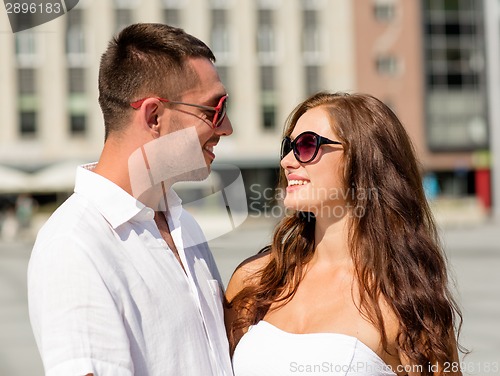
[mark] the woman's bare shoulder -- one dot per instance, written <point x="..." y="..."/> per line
<point x="245" y="273"/>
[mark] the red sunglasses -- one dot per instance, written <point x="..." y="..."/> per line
<point x="219" y="110"/>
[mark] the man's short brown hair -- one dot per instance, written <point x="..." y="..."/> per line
<point x="143" y="60"/>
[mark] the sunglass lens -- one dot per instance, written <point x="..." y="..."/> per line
<point x="221" y="114"/>
<point x="286" y="147"/>
<point x="305" y="146"/>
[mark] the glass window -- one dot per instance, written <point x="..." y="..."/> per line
<point x="78" y="124"/>
<point x="172" y="17"/>
<point x="312" y="4"/>
<point x="126" y="4"/>
<point x="387" y="65"/>
<point x="27" y="123"/>
<point x="266" y="37"/>
<point x="269" y="4"/>
<point x="76" y="80"/>
<point x="384" y="12"/>
<point x="269" y="116"/>
<point x="26" y="51"/>
<point x="452" y="5"/>
<point x="268" y="96"/>
<point x="223" y="72"/>
<point x="221" y="4"/>
<point x="75" y="37"/>
<point x="454" y="43"/>
<point x="313" y="79"/>
<point x="77" y="113"/>
<point x="267" y="74"/>
<point x="123" y="18"/>
<point x="26" y="81"/>
<point x="311" y="36"/>
<point x="220" y="42"/>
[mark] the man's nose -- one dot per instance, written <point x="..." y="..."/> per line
<point x="225" y="129"/>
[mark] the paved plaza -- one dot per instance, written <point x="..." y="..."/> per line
<point x="474" y="254"/>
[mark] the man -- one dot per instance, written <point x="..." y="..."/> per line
<point x="121" y="280"/>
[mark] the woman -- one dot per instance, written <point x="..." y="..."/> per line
<point x="354" y="282"/>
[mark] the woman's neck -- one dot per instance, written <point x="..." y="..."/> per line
<point x="331" y="239"/>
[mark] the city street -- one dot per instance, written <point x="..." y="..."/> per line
<point x="474" y="255"/>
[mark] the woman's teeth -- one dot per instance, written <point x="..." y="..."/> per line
<point x="297" y="182"/>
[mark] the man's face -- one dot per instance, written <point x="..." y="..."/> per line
<point x="207" y="92"/>
<point x="182" y="148"/>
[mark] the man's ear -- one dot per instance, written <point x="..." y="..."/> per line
<point x="152" y="109"/>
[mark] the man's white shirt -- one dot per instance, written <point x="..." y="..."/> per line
<point x="107" y="295"/>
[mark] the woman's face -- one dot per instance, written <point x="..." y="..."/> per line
<point x="316" y="186"/>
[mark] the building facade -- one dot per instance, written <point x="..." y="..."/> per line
<point x="426" y="59"/>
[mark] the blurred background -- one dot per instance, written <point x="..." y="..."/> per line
<point x="436" y="63"/>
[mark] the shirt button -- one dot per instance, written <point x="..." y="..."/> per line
<point x="149" y="214"/>
<point x="163" y="242"/>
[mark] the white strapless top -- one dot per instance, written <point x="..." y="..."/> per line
<point x="266" y="350"/>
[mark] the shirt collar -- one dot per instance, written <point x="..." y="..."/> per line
<point x="116" y="205"/>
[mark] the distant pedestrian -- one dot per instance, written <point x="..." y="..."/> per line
<point x="9" y="225"/>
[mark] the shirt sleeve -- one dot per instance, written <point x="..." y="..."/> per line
<point x="77" y="324"/>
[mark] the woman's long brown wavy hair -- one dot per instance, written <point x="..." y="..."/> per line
<point x="394" y="243"/>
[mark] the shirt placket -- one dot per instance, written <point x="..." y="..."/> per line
<point x="176" y="234"/>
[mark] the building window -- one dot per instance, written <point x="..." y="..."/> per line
<point x="269" y="115"/>
<point x="384" y="11"/>
<point x="123" y="13"/>
<point x="76" y="80"/>
<point x="220" y="34"/>
<point x="312" y="4"/>
<point x="77" y="113"/>
<point x="26" y="52"/>
<point x="27" y="123"/>
<point x="268" y="96"/>
<point x="221" y="4"/>
<point x="311" y="36"/>
<point x="455" y="75"/>
<point x="387" y="65"/>
<point x="126" y="4"/>
<point x="172" y="12"/>
<point x="266" y="36"/>
<point x="172" y="17"/>
<point x="123" y="18"/>
<point x="75" y="38"/>
<point x="77" y="124"/>
<point x="223" y="71"/>
<point x="313" y="79"/>
<point x="267" y="77"/>
<point x="26" y="81"/>
<point x="27" y="102"/>
<point x="268" y="4"/>
<point x="174" y="4"/>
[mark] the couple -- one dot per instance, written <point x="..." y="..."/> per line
<point x="121" y="280"/>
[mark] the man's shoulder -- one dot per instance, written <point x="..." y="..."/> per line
<point x="74" y="219"/>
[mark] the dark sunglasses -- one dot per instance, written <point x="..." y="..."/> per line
<point x="305" y="146"/>
<point x="219" y="111"/>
